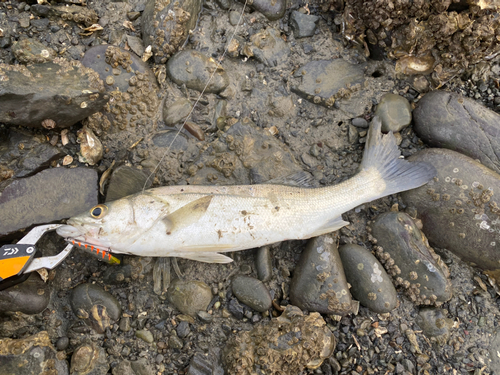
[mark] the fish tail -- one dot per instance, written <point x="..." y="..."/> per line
<point x="383" y="155"/>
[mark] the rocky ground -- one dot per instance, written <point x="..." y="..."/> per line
<point x="91" y="98"/>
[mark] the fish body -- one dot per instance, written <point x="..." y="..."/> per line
<point x="200" y="222"/>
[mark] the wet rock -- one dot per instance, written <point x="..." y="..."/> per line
<point x="91" y="149"/>
<point x="23" y="154"/>
<point x="29" y="297"/>
<point x="324" y="81"/>
<point x="62" y="91"/>
<point x="289" y="343"/>
<point x="189" y="296"/>
<point x="31" y="51"/>
<point x="318" y="282"/>
<point x="272" y="10"/>
<point x="267" y="47"/>
<point x="434" y="324"/>
<point x="139" y="367"/>
<point x="66" y="13"/>
<point x="144" y="335"/>
<point x="117" y="274"/>
<point x="175" y="342"/>
<point x="459" y="209"/>
<point x="408" y="258"/>
<point x="264" y="263"/>
<point x="176" y="111"/>
<point x="31" y="355"/>
<point x="370" y="284"/>
<point x="131" y="86"/>
<point x="135" y="44"/>
<point x="95" y="306"/>
<point x="170" y="138"/>
<point x="201" y="365"/>
<point x="166" y="25"/>
<point x="303" y="25"/>
<point x="252" y="292"/>
<point x="359" y="122"/>
<point x="50" y="195"/>
<point x="89" y="359"/>
<point x="448" y="120"/>
<point x="126" y="180"/>
<point x="236" y="308"/>
<point x="395" y="112"/>
<point x="194" y="69"/>
<point x="62" y="343"/>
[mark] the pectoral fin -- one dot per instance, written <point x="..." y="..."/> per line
<point x="188" y="214"/>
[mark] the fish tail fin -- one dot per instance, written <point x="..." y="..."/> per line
<point x="382" y="154"/>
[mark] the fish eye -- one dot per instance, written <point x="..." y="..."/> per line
<point x="99" y="211"/>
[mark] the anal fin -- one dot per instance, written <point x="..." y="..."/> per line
<point x="330" y="226"/>
<point x="205" y="256"/>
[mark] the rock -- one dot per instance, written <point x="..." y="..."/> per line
<point x="189" y="296"/>
<point x="434" y="324"/>
<point x="89" y="359"/>
<point x="236" y="308"/>
<point x="62" y="343"/>
<point x="126" y="180"/>
<point x="408" y="258"/>
<point x="394" y="111"/>
<point x="135" y="44"/>
<point x="62" y="91"/>
<point x="318" y="282"/>
<point x="170" y="139"/>
<point x="194" y="69"/>
<point x="360" y="122"/>
<point x="95" y="306"/>
<point x="252" y="292"/>
<point x="31" y="355"/>
<point x="175" y="342"/>
<point x="182" y="329"/>
<point x="139" y="367"/>
<point x="67" y="13"/>
<point x="29" y="297"/>
<point x="204" y="365"/>
<point x="458" y="209"/>
<point x="176" y="111"/>
<point x="267" y="47"/>
<point x="264" y="263"/>
<point x="166" y="25"/>
<point x="131" y="85"/>
<point x="31" y="51"/>
<point x="144" y="335"/>
<point x="23" y="154"/>
<point x="370" y="284"/>
<point x="303" y="25"/>
<point x="324" y="81"/>
<point x="50" y="195"/>
<point x="292" y="342"/>
<point x="272" y="10"/>
<point x="448" y="120"/>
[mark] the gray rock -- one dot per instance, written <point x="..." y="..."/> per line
<point x="189" y="296"/>
<point x="319" y="282"/>
<point x="144" y="335"/>
<point x="252" y="292"/>
<point x="31" y="355"/>
<point x="29" y="297"/>
<point x="194" y="69"/>
<point x="394" y="111"/>
<point x="267" y="47"/>
<point x="176" y="111"/>
<point x="60" y="92"/>
<point x="95" y="306"/>
<point x="370" y="284"/>
<point x="166" y="25"/>
<point x="126" y="180"/>
<point x="175" y="342"/>
<point x="434" y="324"/>
<point x="303" y="25"/>
<point x="459" y="209"/>
<point x="201" y="365"/>
<point x="448" y="120"/>
<point x="67" y="13"/>
<point x="135" y="44"/>
<point x="89" y="359"/>
<point x="62" y="343"/>
<point x="408" y="258"/>
<point x="142" y="367"/>
<point x="31" y="51"/>
<point x="359" y="122"/>
<point x="264" y="263"/>
<point x="324" y="81"/>
<point x="272" y="10"/>
<point x="50" y="195"/>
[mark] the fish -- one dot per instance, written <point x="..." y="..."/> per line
<point x="203" y="222"/>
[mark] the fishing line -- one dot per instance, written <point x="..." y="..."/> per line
<point x="199" y="97"/>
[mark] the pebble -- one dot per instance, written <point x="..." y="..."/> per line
<point x="31" y="51"/>
<point x="234" y="17"/>
<point x="319" y="282"/>
<point x="175" y="342"/>
<point x="449" y="120"/>
<point x="189" y="296"/>
<point x="182" y="329"/>
<point x="272" y="10"/>
<point x="235" y="308"/>
<point x="434" y="324"/>
<point x="267" y="47"/>
<point x="252" y="292"/>
<point x="394" y="111"/>
<point x="125" y="324"/>
<point x="30" y="355"/>
<point x="303" y="25"/>
<point x="459" y="208"/>
<point x="48" y="196"/>
<point x="144" y="335"/>
<point x="95" y="306"/>
<point x="323" y="81"/>
<point x="370" y="284"/>
<point x="408" y="258"/>
<point x="264" y="263"/>
<point x="176" y="111"/>
<point x="29" y="297"/>
<point x="205" y="317"/>
<point x="66" y="13"/>
<point x="193" y="69"/>
<point x="89" y="359"/>
<point x="32" y="94"/>
<point x="62" y="343"/>
<point x="360" y="122"/>
<point x="126" y="180"/>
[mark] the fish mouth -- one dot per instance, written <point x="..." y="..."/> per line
<point x="73" y="234"/>
<point x="69" y="231"/>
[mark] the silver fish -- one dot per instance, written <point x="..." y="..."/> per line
<point x="200" y="222"/>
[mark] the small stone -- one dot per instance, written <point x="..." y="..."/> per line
<point x="236" y="308"/>
<point x="252" y="292"/>
<point x="360" y="122"/>
<point x="89" y="359"/>
<point x="29" y="297"/>
<point x="176" y="111"/>
<point x="205" y="317"/>
<point x="145" y="335"/>
<point x="182" y="329"/>
<point x="189" y="296"/>
<point x="264" y="263"/>
<point x="303" y="25"/>
<point x="125" y="324"/>
<point x="434" y="324"/>
<point x="395" y="112"/>
<point x="272" y="10"/>
<point x="175" y="342"/>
